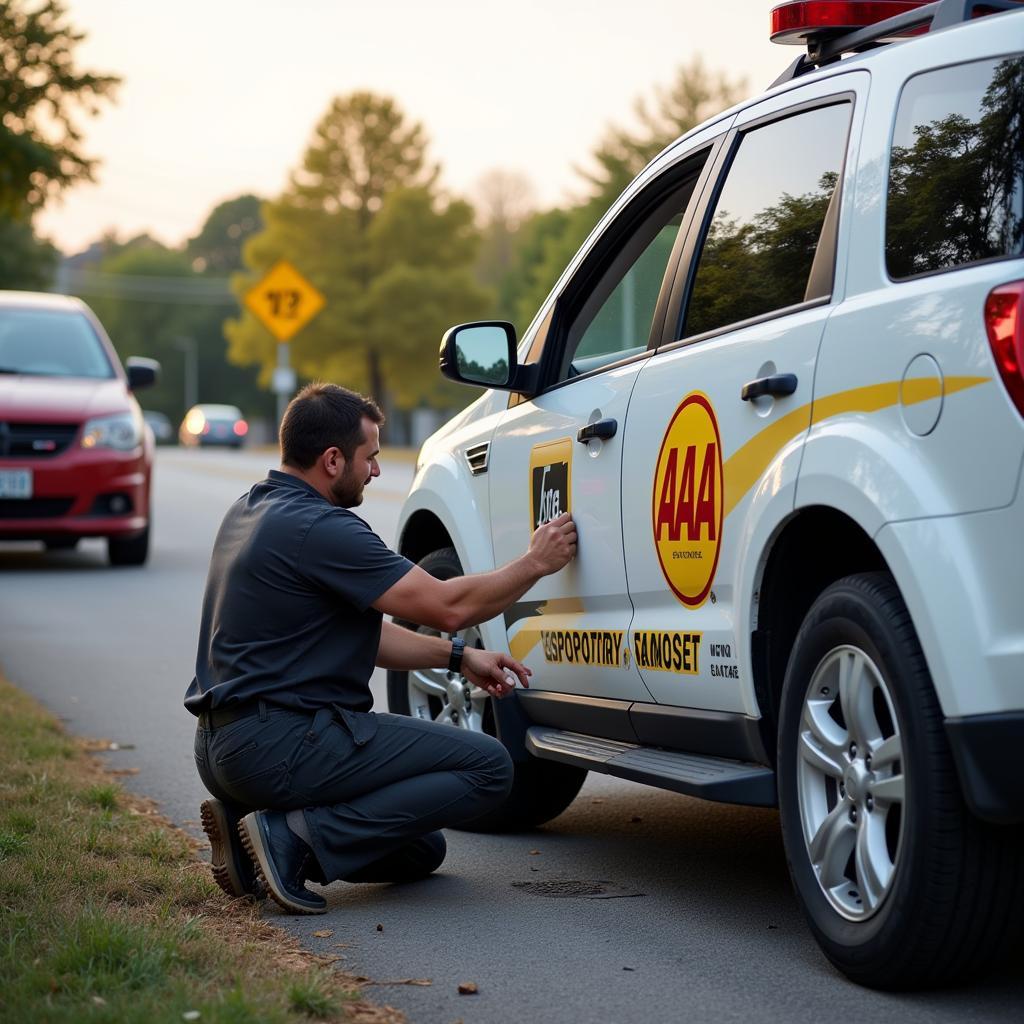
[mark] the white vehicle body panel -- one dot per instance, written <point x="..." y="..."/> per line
<point x="910" y="434"/>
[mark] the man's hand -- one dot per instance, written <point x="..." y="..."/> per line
<point x="553" y="544"/>
<point x="493" y="672"/>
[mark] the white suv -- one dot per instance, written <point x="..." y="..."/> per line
<point x="781" y="390"/>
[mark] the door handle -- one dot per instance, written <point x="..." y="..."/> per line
<point x="603" y="429"/>
<point x="778" y="384"/>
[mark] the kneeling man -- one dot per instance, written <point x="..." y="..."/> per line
<point x="308" y="783"/>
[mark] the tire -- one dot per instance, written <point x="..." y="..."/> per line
<point x="904" y="888"/>
<point x="129" y="550"/>
<point x="541" y="789"/>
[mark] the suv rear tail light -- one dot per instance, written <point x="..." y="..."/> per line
<point x="1004" y="321"/>
<point x="794" y="22"/>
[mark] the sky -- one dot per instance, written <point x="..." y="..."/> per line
<point x="220" y="97"/>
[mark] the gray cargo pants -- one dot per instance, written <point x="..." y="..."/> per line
<point x="368" y="785"/>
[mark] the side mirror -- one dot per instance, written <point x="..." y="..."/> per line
<point x="484" y="353"/>
<point x="142" y="373"/>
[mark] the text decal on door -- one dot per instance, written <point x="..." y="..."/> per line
<point x="550" y="480"/>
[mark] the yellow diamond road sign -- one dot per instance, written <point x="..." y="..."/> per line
<point x="284" y="301"/>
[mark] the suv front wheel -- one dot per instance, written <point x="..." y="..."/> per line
<point x="542" y="789"/>
<point x="901" y="886"/>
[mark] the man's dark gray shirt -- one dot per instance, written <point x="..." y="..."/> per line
<point x="287" y="613"/>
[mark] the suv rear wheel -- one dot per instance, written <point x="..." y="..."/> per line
<point x="902" y="887"/>
<point x="542" y="789"/>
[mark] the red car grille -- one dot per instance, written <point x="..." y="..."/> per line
<point x="35" y="440"/>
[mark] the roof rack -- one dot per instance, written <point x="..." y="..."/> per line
<point x="826" y="48"/>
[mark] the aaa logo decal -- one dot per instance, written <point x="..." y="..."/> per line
<point x="687" y="506"/>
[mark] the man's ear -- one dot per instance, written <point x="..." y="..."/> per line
<point x="333" y="462"/>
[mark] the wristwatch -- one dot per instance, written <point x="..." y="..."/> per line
<point x="455" y="661"/>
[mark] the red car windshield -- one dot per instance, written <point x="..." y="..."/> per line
<point x="50" y="343"/>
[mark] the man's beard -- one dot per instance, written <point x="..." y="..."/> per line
<point x="347" y="490"/>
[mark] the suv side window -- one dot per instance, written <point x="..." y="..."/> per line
<point x="615" y="314"/>
<point x="956" y="173"/>
<point x="775" y="207"/>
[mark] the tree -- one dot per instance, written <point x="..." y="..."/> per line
<point x="954" y="194"/>
<point x="166" y="322"/>
<point x="505" y="201"/>
<point x="217" y="249"/>
<point x="694" y="96"/>
<point x="26" y="262"/>
<point x="364" y="222"/>
<point x="41" y="91"/>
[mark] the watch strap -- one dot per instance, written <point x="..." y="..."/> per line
<point x="455" y="661"/>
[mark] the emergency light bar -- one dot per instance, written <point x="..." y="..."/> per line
<point x="832" y="28"/>
<point x="794" y="23"/>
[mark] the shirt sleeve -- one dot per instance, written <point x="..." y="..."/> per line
<point x="343" y="555"/>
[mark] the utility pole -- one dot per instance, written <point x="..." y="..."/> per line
<point x="189" y="347"/>
<point x="284" y="302"/>
<point x="284" y="380"/>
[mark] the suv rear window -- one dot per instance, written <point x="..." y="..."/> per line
<point x="47" y="343"/>
<point x="956" y="174"/>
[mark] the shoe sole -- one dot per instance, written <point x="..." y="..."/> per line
<point x="218" y="831"/>
<point x="257" y="851"/>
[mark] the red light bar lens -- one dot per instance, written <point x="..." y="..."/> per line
<point x="795" y="22"/>
<point x="241" y="428"/>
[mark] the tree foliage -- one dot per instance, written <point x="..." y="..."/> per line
<point x="217" y="249"/>
<point x="695" y="95"/>
<point x="955" y="194"/>
<point x="752" y="266"/>
<point x="363" y="221"/>
<point x="41" y="92"/>
<point x="26" y="262"/>
<point x="164" y="329"/>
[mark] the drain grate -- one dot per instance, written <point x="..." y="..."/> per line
<point x="568" y="888"/>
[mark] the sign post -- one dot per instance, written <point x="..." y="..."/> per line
<point x="284" y="302"/>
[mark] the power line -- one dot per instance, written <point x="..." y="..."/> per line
<point x="199" y="291"/>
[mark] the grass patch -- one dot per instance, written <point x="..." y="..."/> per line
<point x="108" y="917"/>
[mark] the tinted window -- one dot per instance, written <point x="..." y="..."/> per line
<point x="46" y="343"/>
<point x="761" y="244"/>
<point x="615" y="316"/>
<point x="624" y="321"/>
<point x="956" y="174"/>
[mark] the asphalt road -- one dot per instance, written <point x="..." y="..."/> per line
<point x="698" y="921"/>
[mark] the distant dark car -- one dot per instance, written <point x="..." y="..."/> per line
<point x="206" y="425"/>
<point x="163" y="432"/>
<point x="75" y="457"/>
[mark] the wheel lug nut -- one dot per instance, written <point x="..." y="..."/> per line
<point x="853" y="750"/>
<point x="867" y="762"/>
<point x="870" y="802"/>
<point x="853" y="814"/>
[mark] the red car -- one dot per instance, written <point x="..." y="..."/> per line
<point x="76" y="458"/>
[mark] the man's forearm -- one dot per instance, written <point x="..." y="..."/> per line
<point x="402" y="649"/>
<point x="477" y="598"/>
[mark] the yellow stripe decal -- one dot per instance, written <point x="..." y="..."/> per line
<point x="747" y="464"/>
<point x="561" y="612"/>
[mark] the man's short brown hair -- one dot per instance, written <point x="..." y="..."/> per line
<point x="323" y="416"/>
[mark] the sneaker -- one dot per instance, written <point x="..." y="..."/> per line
<point x="232" y="869"/>
<point x="282" y="860"/>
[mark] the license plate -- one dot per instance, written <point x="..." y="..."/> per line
<point x="15" y="483"/>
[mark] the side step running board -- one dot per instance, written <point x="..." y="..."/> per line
<point x="712" y="778"/>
